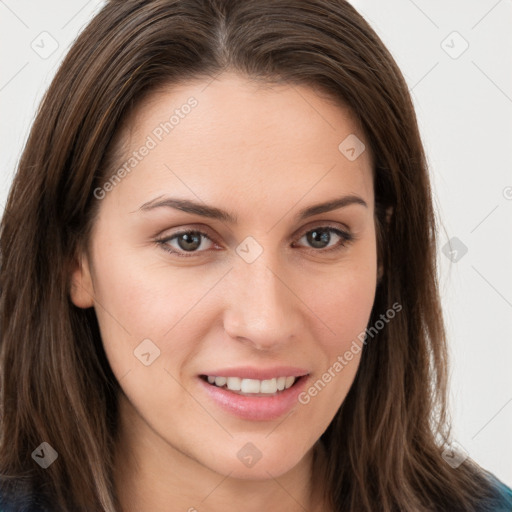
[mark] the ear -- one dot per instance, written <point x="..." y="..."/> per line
<point x="380" y="268"/>
<point x="380" y="273"/>
<point x="81" y="288"/>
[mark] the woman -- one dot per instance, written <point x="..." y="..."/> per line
<point x="218" y="274"/>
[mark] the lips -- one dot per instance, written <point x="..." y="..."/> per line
<point x="254" y="394"/>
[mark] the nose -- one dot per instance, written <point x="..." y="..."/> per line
<point x="261" y="308"/>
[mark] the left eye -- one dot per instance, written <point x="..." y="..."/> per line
<point x="321" y="238"/>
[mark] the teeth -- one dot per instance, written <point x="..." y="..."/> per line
<point x="220" y="381"/>
<point x="268" y="386"/>
<point x="250" y="386"/>
<point x="234" y="383"/>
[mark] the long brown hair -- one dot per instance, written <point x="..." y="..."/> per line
<point x="56" y="384"/>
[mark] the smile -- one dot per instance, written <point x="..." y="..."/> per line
<point x="252" y="386"/>
<point x="238" y="392"/>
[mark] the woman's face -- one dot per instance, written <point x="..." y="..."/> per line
<point x="272" y="293"/>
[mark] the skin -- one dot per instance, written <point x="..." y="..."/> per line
<point x="294" y="305"/>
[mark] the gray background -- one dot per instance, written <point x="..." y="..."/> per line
<point x="463" y="98"/>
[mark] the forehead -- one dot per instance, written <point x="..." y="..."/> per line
<point x="232" y="138"/>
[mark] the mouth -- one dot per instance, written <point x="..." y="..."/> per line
<point x="239" y="393"/>
<point x="253" y="387"/>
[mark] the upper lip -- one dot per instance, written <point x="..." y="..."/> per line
<point x="251" y="372"/>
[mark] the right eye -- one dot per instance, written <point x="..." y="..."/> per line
<point x="183" y="242"/>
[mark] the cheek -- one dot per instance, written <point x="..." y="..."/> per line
<point x="141" y="299"/>
<point x="347" y="303"/>
<point x="343" y="303"/>
<point x="344" y="299"/>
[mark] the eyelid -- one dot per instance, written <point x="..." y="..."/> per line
<point x="187" y="228"/>
<point x="324" y="224"/>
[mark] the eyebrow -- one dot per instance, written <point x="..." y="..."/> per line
<point x="212" y="212"/>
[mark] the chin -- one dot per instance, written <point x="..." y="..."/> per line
<point x="259" y="456"/>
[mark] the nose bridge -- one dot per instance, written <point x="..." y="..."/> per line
<point x="260" y="307"/>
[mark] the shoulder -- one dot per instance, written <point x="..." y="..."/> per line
<point x="18" y="497"/>
<point x="501" y="499"/>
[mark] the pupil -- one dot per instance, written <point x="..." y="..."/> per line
<point x="319" y="238"/>
<point x="188" y="241"/>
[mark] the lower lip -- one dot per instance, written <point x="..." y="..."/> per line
<point x="257" y="408"/>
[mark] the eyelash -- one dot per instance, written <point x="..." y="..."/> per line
<point x="345" y="237"/>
